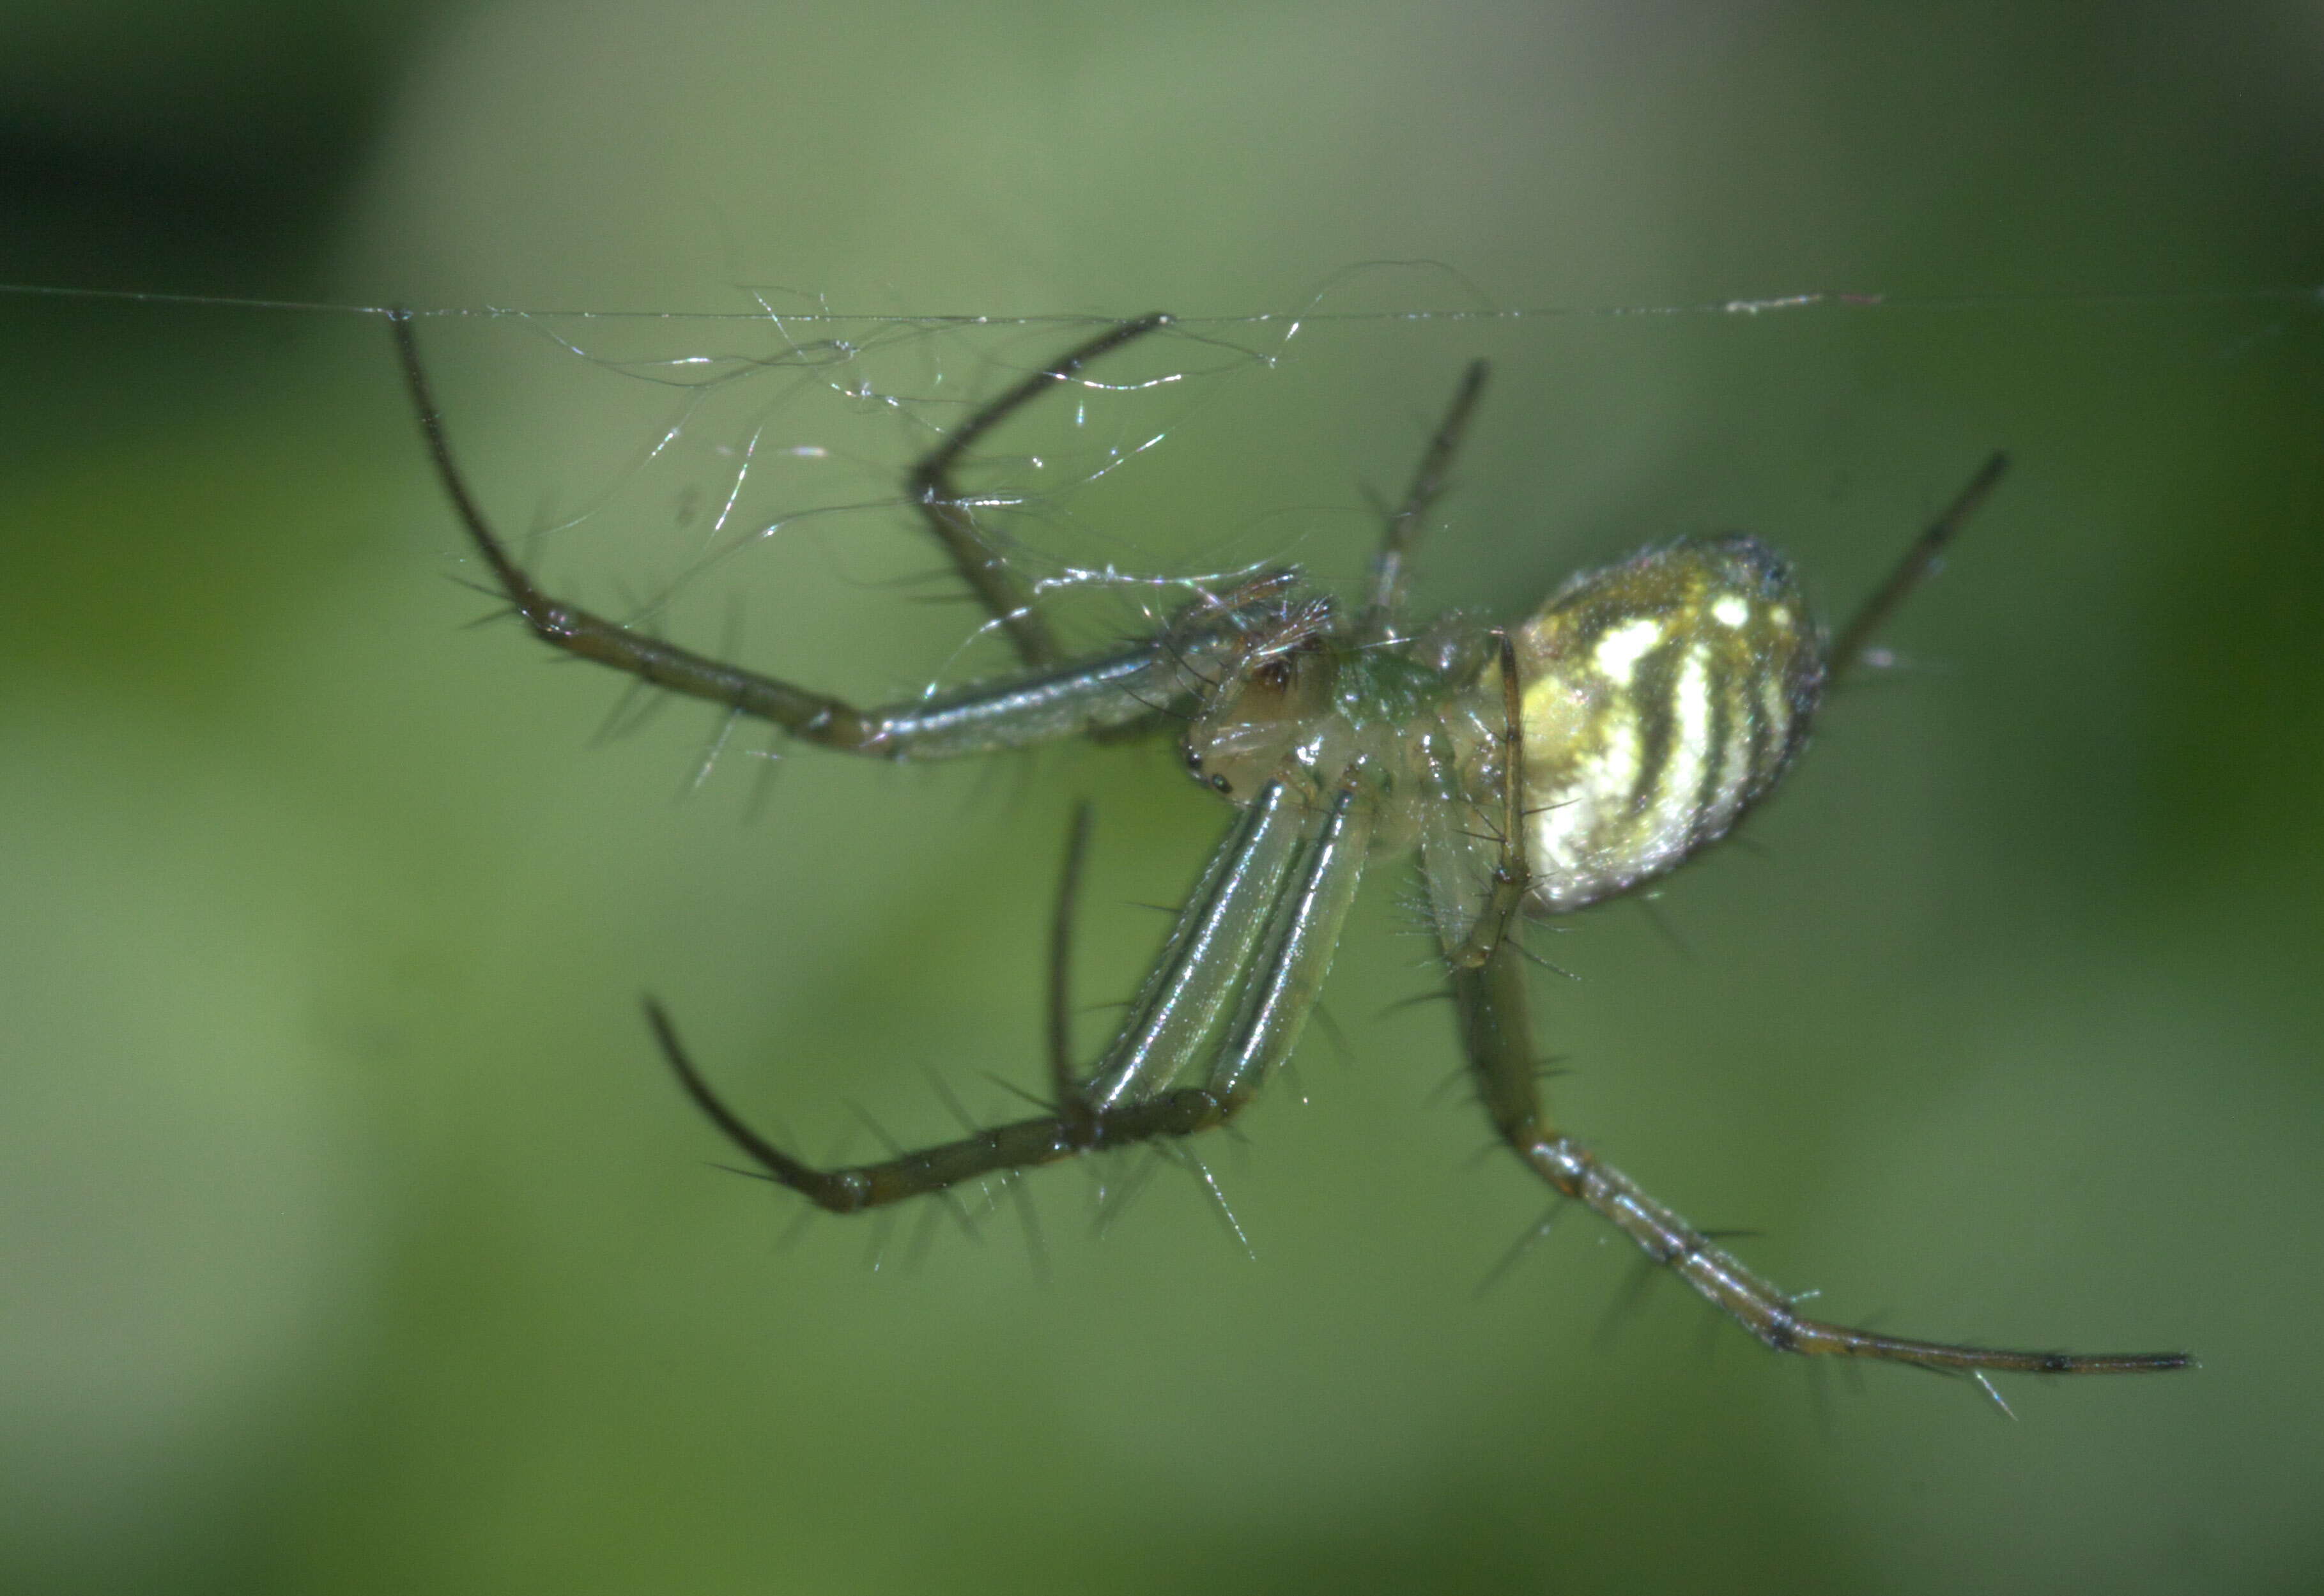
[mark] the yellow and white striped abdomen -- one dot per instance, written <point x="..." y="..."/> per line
<point x="1660" y="697"/>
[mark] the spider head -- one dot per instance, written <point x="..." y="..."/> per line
<point x="1272" y="694"/>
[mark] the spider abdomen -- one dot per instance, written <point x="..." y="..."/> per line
<point x="1661" y="697"/>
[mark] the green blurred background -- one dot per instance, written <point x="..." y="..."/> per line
<point x="353" y="1240"/>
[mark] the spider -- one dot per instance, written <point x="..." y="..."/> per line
<point x="1537" y="768"/>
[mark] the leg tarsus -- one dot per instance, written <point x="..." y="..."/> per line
<point x="824" y="1190"/>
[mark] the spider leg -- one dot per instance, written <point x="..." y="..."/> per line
<point x="1473" y="857"/>
<point x="1504" y="889"/>
<point x="1208" y="957"/>
<point x="947" y="510"/>
<point x="1918" y="562"/>
<point x="1063" y="1086"/>
<point x="1056" y="701"/>
<point x="1497" y="1032"/>
<point x="1429" y="481"/>
<point x="1288" y="870"/>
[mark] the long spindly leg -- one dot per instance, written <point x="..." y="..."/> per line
<point x="1389" y="576"/>
<point x="1504" y="893"/>
<point x="1057" y="702"/>
<point x="947" y="510"/>
<point x="1499" y="1035"/>
<point x="1065" y="1084"/>
<point x="1472" y="861"/>
<point x="1848" y="648"/>
<point x="1309" y="862"/>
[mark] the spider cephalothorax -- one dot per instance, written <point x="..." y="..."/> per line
<point x="1632" y="719"/>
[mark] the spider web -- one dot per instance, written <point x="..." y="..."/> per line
<point x="702" y="468"/>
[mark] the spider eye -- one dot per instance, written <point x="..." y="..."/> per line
<point x="1219" y="782"/>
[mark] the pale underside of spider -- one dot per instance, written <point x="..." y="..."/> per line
<point x="1540" y="768"/>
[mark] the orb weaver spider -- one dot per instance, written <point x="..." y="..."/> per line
<point x="1628" y="722"/>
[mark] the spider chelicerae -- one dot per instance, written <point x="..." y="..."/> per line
<point x="1539" y="768"/>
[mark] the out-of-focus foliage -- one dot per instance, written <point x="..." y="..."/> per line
<point x="354" y="1243"/>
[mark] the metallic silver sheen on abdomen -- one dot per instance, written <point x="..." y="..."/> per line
<point x="1661" y="697"/>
